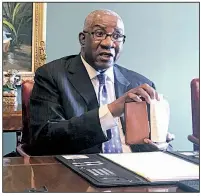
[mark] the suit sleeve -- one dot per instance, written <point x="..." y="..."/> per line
<point x="51" y="133"/>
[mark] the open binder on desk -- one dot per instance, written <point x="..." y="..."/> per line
<point x="156" y="166"/>
<point x="131" y="169"/>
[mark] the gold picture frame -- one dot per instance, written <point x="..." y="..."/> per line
<point x="38" y="53"/>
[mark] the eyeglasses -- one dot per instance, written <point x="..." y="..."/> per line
<point x="100" y="35"/>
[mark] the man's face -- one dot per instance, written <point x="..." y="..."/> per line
<point x="98" y="52"/>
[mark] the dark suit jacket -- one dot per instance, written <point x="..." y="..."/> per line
<point x="64" y="109"/>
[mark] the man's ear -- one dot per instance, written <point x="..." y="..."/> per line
<point x="82" y="39"/>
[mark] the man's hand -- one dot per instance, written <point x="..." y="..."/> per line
<point x="143" y="91"/>
<point x="163" y="145"/>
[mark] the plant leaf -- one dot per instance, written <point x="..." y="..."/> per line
<point x="19" y="25"/>
<point x="10" y="26"/>
<point x="15" y="11"/>
<point x="5" y="14"/>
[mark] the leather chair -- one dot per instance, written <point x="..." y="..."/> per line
<point x="195" y="106"/>
<point x="27" y="87"/>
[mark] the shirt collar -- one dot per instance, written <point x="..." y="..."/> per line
<point x="93" y="73"/>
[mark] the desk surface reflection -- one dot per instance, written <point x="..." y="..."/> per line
<point x="20" y="174"/>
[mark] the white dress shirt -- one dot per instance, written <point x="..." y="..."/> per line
<point x="107" y="121"/>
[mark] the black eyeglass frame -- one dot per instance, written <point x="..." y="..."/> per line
<point x="106" y="34"/>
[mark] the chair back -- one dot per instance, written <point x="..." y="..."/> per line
<point x="27" y="87"/>
<point x="195" y="106"/>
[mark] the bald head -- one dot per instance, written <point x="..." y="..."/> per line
<point x="98" y="14"/>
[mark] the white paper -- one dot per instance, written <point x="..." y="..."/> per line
<point x="159" y="116"/>
<point x="75" y="156"/>
<point x="156" y="166"/>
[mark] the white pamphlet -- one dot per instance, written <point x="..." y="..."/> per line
<point x="159" y="116"/>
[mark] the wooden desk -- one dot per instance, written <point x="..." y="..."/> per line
<point x="12" y="118"/>
<point x="24" y="173"/>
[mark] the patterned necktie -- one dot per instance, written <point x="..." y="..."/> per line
<point x="114" y="144"/>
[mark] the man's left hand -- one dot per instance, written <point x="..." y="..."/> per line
<point x="162" y="146"/>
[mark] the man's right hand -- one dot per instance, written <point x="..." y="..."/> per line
<point x="143" y="91"/>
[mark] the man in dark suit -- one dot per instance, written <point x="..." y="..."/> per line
<point x="67" y="110"/>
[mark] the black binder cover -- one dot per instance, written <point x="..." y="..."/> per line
<point x="190" y="158"/>
<point x="102" y="172"/>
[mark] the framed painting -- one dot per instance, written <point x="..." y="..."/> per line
<point x="24" y="33"/>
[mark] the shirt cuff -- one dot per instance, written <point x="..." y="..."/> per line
<point x="107" y="121"/>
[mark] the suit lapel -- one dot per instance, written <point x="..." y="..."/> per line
<point x="79" y="78"/>
<point x="121" y="87"/>
<point x="121" y="83"/>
